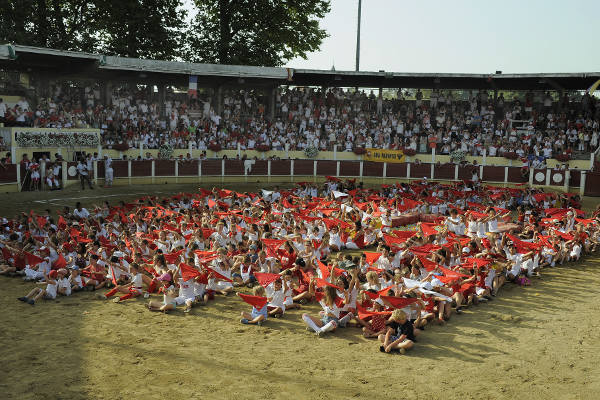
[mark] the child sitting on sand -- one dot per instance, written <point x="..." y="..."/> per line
<point x="331" y="314"/>
<point x="276" y="295"/>
<point x="169" y="295"/>
<point x="375" y="325"/>
<point x="256" y="316"/>
<point x="48" y="293"/>
<point x="400" y="335"/>
<point x="132" y="289"/>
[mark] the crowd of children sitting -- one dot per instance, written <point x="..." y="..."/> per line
<point x="389" y="260"/>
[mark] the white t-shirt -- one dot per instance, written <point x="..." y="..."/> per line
<point x="333" y="310"/>
<point x="83" y="213"/>
<point x="186" y="289"/>
<point x="493" y="225"/>
<point x="137" y="281"/>
<point x="82" y="169"/>
<point x="277" y="297"/>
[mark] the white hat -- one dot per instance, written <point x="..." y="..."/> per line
<point x="379" y="301"/>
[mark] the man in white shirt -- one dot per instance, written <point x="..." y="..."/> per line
<point x="23" y="104"/>
<point x="108" y="171"/>
<point x="83" y="171"/>
<point x="80" y="212"/>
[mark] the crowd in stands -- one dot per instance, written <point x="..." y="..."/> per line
<point x="322" y="118"/>
<point x="185" y="250"/>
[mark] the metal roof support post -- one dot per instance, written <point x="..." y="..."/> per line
<point x="106" y="92"/>
<point x="531" y="172"/>
<point x="272" y="100"/>
<point x="162" y="97"/>
<point x="358" y="36"/>
<point x="218" y="101"/>
<point x="496" y="116"/>
<point x="43" y="86"/>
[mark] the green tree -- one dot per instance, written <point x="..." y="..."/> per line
<point x="140" y="28"/>
<point x="255" y="32"/>
<point x="131" y="28"/>
<point x="47" y="23"/>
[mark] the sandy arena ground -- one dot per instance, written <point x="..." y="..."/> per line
<point x="540" y="342"/>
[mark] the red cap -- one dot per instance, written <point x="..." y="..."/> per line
<point x="53" y="274"/>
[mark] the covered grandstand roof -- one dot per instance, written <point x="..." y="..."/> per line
<point x="87" y="65"/>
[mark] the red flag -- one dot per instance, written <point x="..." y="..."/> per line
<point x="206" y="232"/>
<point x="328" y="211"/>
<point x="565" y="236"/>
<point x="425" y="249"/>
<point x="477" y="215"/>
<point x="452" y="274"/>
<point x="525" y="247"/>
<point x="385" y="290"/>
<point x="584" y="221"/>
<point x="6" y="254"/>
<point x="372" y="296"/>
<point x="41" y="221"/>
<point x="112" y="274"/>
<point x="325" y="270"/>
<point x="172" y="258"/>
<point x="188" y="272"/>
<point x="211" y="203"/>
<point x="364" y="313"/>
<point x="257" y="302"/>
<point x="265" y="279"/>
<point x="218" y="275"/>
<point x="322" y="282"/>
<point x="32" y="259"/>
<point x="203" y="254"/>
<point x="319" y="296"/>
<point x="427" y="264"/>
<point x="399" y="302"/>
<point x="204" y="192"/>
<point x="429" y="229"/>
<point x="274" y="244"/>
<point x="481" y="262"/>
<point x="371" y="257"/>
<point x="394" y="241"/>
<point x="202" y="278"/>
<point x="60" y="262"/>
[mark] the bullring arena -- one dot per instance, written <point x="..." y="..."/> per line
<point x="422" y="266"/>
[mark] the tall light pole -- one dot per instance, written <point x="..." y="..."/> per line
<point x="358" y="37"/>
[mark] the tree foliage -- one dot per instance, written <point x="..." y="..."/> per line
<point x="255" y="32"/>
<point x="141" y="28"/>
<point x="249" y="32"/>
<point x="132" y="28"/>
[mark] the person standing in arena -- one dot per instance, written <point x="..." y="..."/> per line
<point x="84" y="176"/>
<point x="108" y="172"/>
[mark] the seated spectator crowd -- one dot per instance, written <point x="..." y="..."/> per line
<point x="322" y="118"/>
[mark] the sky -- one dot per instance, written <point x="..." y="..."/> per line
<point x="461" y="36"/>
